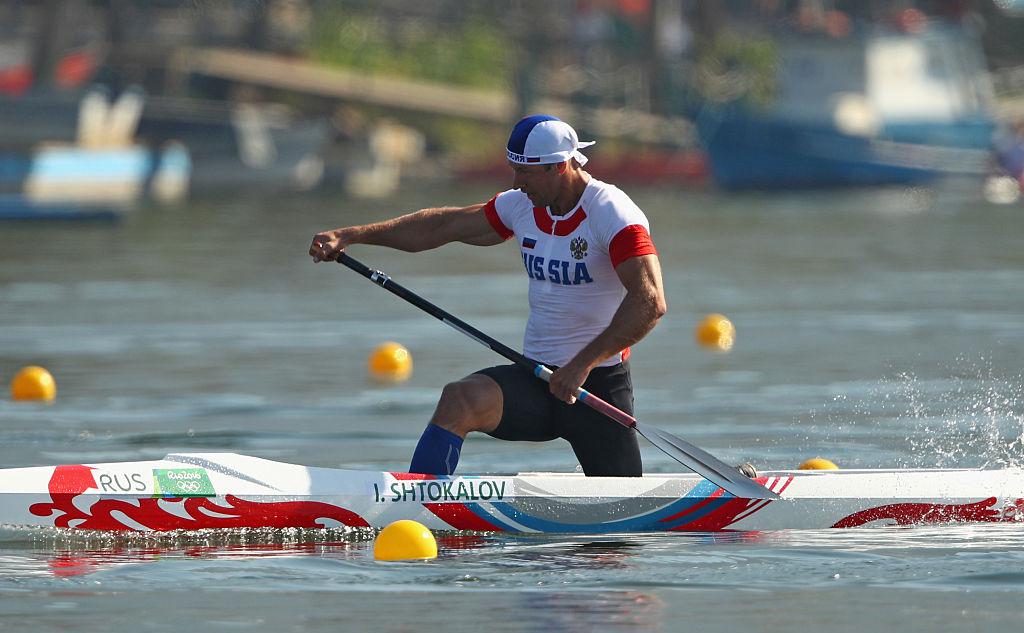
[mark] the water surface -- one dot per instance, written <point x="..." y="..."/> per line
<point x="878" y="328"/>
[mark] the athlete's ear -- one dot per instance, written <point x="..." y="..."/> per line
<point x="562" y="167"/>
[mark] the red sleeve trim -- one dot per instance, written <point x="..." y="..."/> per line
<point x="632" y="241"/>
<point x="491" y="211"/>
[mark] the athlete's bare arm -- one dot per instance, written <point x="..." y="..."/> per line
<point x="419" y="231"/>
<point x="637" y="315"/>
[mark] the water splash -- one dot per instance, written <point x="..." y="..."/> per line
<point x="975" y="417"/>
<point x="971" y="415"/>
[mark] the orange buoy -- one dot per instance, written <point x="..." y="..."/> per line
<point x="405" y="540"/>
<point x="390" y="362"/>
<point x="34" y="383"/>
<point x="818" y="463"/>
<point x="715" y="331"/>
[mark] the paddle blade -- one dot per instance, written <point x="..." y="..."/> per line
<point x="705" y="464"/>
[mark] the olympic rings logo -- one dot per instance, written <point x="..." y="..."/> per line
<point x="189" y="486"/>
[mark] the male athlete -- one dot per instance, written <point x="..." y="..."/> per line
<point x="595" y="290"/>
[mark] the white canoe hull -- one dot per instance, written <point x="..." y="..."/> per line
<point x="225" y="490"/>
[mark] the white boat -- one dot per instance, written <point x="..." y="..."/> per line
<point x="191" y="491"/>
<point x="879" y="106"/>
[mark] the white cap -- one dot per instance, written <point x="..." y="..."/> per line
<point x="542" y="139"/>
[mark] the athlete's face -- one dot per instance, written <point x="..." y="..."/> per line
<point x="540" y="183"/>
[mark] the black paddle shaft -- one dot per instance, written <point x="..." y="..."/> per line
<point x="384" y="281"/>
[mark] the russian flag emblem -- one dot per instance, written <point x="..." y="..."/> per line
<point x="529" y="242"/>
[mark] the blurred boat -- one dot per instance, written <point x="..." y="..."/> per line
<point x="232" y="146"/>
<point x="102" y="174"/>
<point x="69" y="182"/>
<point x="873" y="107"/>
<point x="262" y="147"/>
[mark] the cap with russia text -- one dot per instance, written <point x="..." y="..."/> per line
<point x="542" y="139"/>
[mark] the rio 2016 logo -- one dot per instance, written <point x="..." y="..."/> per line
<point x="182" y="482"/>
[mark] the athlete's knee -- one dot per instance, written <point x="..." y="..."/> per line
<point x="471" y="404"/>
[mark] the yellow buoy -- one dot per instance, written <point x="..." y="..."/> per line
<point x="405" y="540"/>
<point x="818" y="463"/>
<point x="715" y="331"/>
<point x="390" y="362"/>
<point x="33" y="383"/>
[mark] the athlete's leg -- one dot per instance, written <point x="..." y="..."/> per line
<point x="603" y="447"/>
<point x="471" y="404"/>
<point x="526" y="407"/>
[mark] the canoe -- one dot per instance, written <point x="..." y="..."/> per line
<point x="192" y="491"/>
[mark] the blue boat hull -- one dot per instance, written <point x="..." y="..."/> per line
<point x="748" y="152"/>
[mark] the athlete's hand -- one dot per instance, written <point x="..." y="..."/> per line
<point x="566" y="380"/>
<point x="326" y="246"/>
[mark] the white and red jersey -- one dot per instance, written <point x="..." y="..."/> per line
<point x="571" y="260"/>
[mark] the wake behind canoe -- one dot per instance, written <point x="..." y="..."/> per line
<point x="194" y="491"/>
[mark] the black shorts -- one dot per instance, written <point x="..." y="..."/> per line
<point x="531" y="414"/>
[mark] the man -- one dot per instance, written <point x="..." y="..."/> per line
<point x="595" y="290"/>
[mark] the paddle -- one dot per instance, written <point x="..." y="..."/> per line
<point x="697" y="460"/>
